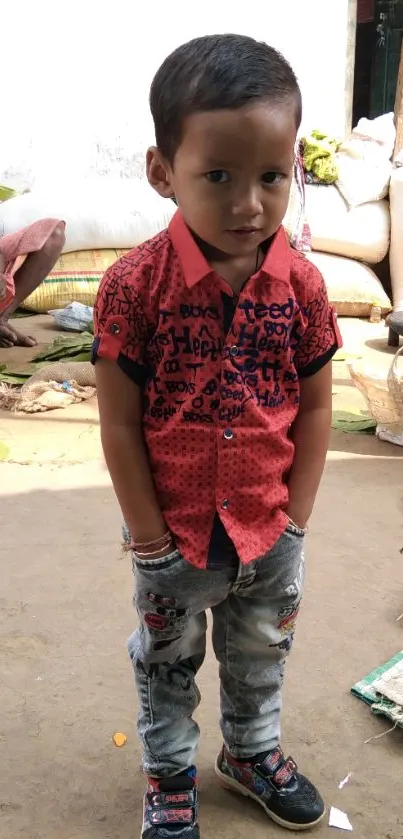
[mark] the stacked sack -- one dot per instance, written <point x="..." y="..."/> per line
<point x="75" y="279"/>
<point x="345" y="242"/>
<point x="350" y="220"/>
<point x="104" y="219"/>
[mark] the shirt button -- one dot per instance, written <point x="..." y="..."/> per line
<point x="225" y="504"/>
<point x="228" y="434"/>
<point x="233" y="351"/>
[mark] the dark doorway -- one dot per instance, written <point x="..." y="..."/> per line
<point x="378" y="43"/>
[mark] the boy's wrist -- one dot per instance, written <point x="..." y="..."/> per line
<point x="154" y="548"/>
<point x="298" y="516"/>
<point x="148" y="525"/>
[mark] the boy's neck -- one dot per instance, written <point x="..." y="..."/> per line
<point x="235" y="270"/>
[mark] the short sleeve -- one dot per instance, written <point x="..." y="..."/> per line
<point x="321" y="338"/>
<point x="120" y="324"/>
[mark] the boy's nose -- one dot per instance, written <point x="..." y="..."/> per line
<point x="249" y="204"/>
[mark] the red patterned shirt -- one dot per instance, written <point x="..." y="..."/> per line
<point x="220" y="394"/>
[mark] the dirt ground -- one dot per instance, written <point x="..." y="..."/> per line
<point x="65" y="596"/>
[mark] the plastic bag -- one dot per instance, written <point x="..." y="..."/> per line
<point x="364" y="161"/>
<point x="73" y="318"/>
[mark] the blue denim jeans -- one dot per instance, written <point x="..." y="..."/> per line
<point x="253" y="626"/>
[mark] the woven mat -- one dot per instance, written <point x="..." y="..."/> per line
<point x="382" y="689"/>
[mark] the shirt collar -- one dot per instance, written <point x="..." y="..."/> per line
<point x="195" y="267"/>
<point x="277" y="262"/>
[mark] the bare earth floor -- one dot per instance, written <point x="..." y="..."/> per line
<point x="65" y="613"/>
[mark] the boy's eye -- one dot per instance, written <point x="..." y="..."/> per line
<point x="218" y="176"/>
<point x="272" y="178"/>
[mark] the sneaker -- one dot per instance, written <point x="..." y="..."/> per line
<point x="170" y="807"/>
<point x="275" y="783"/>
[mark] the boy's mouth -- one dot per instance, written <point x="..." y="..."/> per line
<point x="245" y="231"/>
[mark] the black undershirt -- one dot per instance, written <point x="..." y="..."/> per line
<point x="222" y="552"/>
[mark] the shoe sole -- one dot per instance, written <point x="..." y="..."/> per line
<point x="234" y="786"/>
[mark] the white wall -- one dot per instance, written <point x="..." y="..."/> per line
<point x="74" y="83"/>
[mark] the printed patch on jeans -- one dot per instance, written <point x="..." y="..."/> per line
<point x="286" y="611"/>
<point x="288" y="617"/>
<point x="160" y="600"/>
<point x="171" y="613"/>
<point x="155" y="621"/>
<point x="166" y="622"/>
<point x="285" y="645"/>
<point x="177" y="674"/>
<point x="292" y="590"/>
<point x="161" y="645"/>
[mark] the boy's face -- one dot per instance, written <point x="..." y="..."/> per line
<point x="231" y="174"/>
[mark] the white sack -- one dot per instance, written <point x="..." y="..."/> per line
<point x="361" y="233"/>
<point x="102" y="213"/>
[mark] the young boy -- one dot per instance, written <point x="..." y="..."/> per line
<point x="213" y="348"/>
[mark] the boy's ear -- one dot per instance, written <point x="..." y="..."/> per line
<point x="159" y="173"/>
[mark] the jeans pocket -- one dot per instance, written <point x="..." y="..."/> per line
<point x="160" y="564"/>
<point x="294" y="530"/>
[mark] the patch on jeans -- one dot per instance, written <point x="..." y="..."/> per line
<point x="178" y="674"/>
<point x="154" y="621"/>
<point x="288" y="617"/>
<point x="286" y="644"/>
<point x="168" y="620"/>
<point x="160" y="600"/>
<point x="171" y="613"/>
<point x="161" y="645"/>
<point x="292" y="590"/>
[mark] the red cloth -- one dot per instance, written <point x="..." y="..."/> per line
<point x="14" y="247"/>
<point x="218" y="405"/>
<point x="365" y="11"/>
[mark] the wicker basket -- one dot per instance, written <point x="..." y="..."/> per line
<point x="384" y="397"/>
<point x="395" y="383"/>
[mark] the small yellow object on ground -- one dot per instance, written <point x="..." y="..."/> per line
<point x="119" y="739"/>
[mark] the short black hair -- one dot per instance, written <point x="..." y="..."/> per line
<point x="214" y="72"/>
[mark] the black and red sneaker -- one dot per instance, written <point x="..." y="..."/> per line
<point x="275" y="783"/>
<point x="170" y="807"/>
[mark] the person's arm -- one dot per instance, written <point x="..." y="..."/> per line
<point x="310" y="434"/>
<point x="125" y="452"/>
